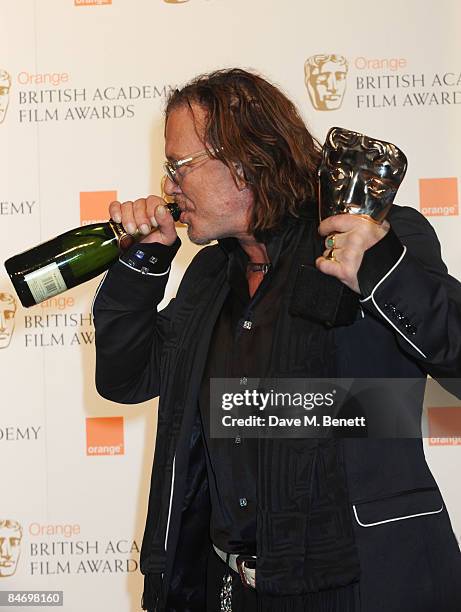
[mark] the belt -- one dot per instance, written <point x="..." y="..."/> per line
<point x="244" y="565"/>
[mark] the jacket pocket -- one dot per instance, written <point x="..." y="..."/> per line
<point x="402" y="506"/>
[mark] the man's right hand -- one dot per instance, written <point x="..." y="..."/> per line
<point x="148" y="216"/>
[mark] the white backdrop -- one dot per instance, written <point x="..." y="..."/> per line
<point x="82" y="86"/>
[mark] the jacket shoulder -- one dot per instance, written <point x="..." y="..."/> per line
<point x="208" y="255"/>
<point x="204" y="264"/>
<point x="406" y="221"/>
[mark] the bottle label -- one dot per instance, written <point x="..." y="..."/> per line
<point x="46" y="282"/>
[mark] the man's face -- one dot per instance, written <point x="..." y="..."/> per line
<point x="326" y="85"/>
<point x="10" y="548"/>
<point x="7" y="312"/>
<point x="4" y="98"/>
<point x="213" y="205"/>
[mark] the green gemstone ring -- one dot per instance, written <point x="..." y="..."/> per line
<point x="330" y="241"/>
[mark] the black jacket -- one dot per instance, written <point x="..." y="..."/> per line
<point x="409" y="326"/>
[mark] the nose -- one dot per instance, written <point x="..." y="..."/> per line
<point x="354" y="192"/>
<point x="2" y="322"/>
<point x="170" y="187"/>
<point x="5" y="548"/>
<point x="331" y="83"/>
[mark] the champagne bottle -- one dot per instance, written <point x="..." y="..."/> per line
<point x="69" y="259"/>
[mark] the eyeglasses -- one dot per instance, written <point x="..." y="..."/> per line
<point x="172" y="167"/>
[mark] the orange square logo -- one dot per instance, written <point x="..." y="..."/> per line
<point x="444" y="426"/>
<point x="91" y="2"/>
<point x="104" y="436"/>
<point x="438" y="196"/>
<point x="94" y="206"/>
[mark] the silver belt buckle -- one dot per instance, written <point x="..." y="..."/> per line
<point x="241" y="561"/>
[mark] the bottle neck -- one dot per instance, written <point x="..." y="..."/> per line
<point x="124" y="239"/>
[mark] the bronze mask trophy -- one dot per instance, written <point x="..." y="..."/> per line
<point x="358" y="175"/>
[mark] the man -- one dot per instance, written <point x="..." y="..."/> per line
<point x="332" y="524"/>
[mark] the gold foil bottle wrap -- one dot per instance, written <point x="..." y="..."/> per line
<point x="124" y="239"/>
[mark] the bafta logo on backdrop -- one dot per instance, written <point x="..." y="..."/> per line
<point x="5" y="86"/>
<point x="7" y="314"/>
<point x="91" y="2"/>
<point x="325" y="79"/>
<point x="10" y="547"/>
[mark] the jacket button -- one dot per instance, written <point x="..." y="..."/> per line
<point x="392" y="308"/>
<point x="243" y="502"/>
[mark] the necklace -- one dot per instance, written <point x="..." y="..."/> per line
<point x="258" y="267"/>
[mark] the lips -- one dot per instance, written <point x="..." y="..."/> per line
<point x="184" y="211"/>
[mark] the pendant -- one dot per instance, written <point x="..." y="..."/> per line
<point x="258" y="267"/>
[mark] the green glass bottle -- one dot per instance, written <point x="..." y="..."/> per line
<point x="69" y="259"/>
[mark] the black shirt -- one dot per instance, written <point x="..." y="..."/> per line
<point x="240" y="348"/>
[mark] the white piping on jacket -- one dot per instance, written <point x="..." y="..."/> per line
<point x="372" y="297"/>
<point x="397" y="518"/>
<point x="144" y="273"/>
<point x="171" y="501"/>
<point x="386" y="275"/>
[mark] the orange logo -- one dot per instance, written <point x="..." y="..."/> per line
<point x="104" y="436"/>
<point x="94" y="206"/>
<point x="91" y="2"/>
<point x="444" y="426"/>
<point x="438" y="196"/>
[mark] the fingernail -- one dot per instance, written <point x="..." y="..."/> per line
<point x="117" y="218"/>
<point x="130" y="228"/>
<point x="153" y="222"/>
<point x="161" y="210"/>
<point x="145" y="229"/>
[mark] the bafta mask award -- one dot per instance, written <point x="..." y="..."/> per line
<point x="359" y="175"/>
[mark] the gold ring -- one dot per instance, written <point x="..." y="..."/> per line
<point x="331" y="255"/>
<point x="330" y="241"/>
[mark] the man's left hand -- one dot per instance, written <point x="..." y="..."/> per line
<point x="353" y="235"/>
